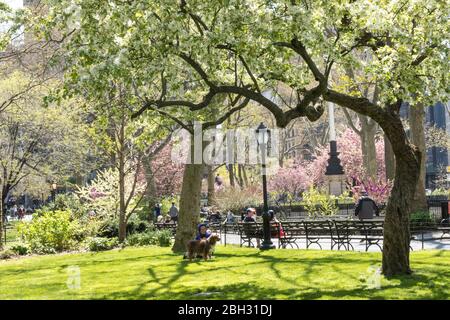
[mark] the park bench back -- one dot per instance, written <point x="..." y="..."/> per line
<point x="317" y="228"/>
<point x="167" y="226"/>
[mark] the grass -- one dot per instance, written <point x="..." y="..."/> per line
<point x="12" y="233"/>
<point x="234" y="273"/>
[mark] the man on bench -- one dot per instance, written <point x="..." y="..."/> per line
<point x="366" y="207"/>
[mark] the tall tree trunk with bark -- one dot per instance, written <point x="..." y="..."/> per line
<point x="397" y="235"/>
<point x="230" y="168"/>
<point x="368" y="148"/>
<point x="189" y="213"/>
<point x="367" y="136"/>
<point x="244" y="175"/>
<point x="1" y="216"/>
<point x="241" y="179"/>
<point x="417" y="119"/>
<point x="211" y="187"/>
<point x="150" y="193"/>
<point x="122" y="213"/>
<point x="389" y="159"/>
<point x="396" y="224"/>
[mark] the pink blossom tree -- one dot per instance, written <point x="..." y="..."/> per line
<point x="168" y="174"/>
<point x="300" y="176"/>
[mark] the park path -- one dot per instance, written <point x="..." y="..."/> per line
<point x="326" y="244"/>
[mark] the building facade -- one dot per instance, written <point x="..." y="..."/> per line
<point x="437" y="158"/>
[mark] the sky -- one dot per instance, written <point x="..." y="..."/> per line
<point x="15" y="4"/>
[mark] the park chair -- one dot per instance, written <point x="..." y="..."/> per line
<point x="444" y="227"/>
<point x="370" y="231"/>
<point x="249" y="231"/>
<point x="293" y="231"/>
<point x="341" y="231"/>
<point x="316" y="230"/>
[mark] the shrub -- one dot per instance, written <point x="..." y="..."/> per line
<point x="49" y="232"/>
<point x="142" y="239"/>
<point x="67" y="202"/>
<point x="420" y="216"/>
<point x="143" y="226"/>
<point x="102" y="194"/>
<point x="101" y="244"/>
<point x="237" y="199"/>
<point x="110" y="229"/>
<point x="6" y="254"/>
<point x="162" y="238"/>
<point x="20" y="249"/>
<point x="318" y="203"/>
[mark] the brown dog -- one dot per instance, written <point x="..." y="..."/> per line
<point x="203" y="248"/>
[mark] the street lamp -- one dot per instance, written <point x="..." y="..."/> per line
<point x="262" y="137"/>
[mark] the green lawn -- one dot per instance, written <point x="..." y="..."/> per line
<point x="235" y="273"/>
<point x="12" y="234"/>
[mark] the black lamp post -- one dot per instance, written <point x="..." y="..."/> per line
<point x="262" y="137"/>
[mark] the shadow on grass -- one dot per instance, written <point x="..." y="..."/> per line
<point x="253" y="291"/>
<point x="418" y="285"/>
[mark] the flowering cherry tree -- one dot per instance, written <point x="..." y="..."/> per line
<point x="300" y="176"/>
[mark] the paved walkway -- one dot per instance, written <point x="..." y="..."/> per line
<point x="326" y="244"/>
<point x="26" y="217"/>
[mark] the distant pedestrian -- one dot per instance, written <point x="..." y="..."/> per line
<point x="173" y="212"/>
<point x="218" y="180"/>
<point x="366" y="207"/>
<point x="157" y="211"/>
<point x="21" y="212"/>
<point x="13" y="211"/>
<point x="230" y="217"/>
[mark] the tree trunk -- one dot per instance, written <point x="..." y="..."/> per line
<point x="5" y="189"/>
<point x="151" y="192"/>
<point x="122" y="213"/>
<point x="396" y="225"/>
<point x="389" y="159"/>
<point x="244" y="175"/>
<point x="368" y="148"/>
<point x="416" y="119"/>
<point x="1" y="218"/>
<point x="189" y="215"/>
<point x="211" y="187"/>
<point x="230" y="168"/>
<point x="241" y="180"/>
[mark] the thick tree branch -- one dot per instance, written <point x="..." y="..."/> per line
<point x="226" y="115"/>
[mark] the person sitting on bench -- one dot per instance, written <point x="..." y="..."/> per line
<point x="366" y="207"/>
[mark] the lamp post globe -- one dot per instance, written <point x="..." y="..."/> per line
<point x="262" y="137"/>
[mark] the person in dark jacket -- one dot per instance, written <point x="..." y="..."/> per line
<point x="203" y="232"/>
<point x="366" y="207"/>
